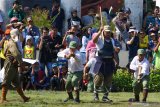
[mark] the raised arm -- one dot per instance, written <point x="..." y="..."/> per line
<point x="95" y="39"/>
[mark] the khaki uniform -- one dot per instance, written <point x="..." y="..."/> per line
<point x="13" y="58"/>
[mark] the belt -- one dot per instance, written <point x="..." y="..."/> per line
<point x="12" y="59"/>
<point x="107" y="57"/>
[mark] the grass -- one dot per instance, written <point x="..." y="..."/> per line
<point x="55" y="99"/>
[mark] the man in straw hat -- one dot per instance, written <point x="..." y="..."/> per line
<point x="13" y="60"/>
<point x="140" y="66"/>
<point x="105" y="64"/>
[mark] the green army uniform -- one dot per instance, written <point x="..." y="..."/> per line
<point x="73" y="79"/>
<point x="144" y="82"/>
<point x="13" y="58"/>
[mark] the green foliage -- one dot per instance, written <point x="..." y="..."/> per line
<point x="40" y="18"/>
<point x="122" y="81"/>
<point x="154" y="84"/>
<point x="97" y="23"/>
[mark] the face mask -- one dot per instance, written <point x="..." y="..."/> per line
<point x="36" y="68"/>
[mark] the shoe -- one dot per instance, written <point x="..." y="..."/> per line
<point x="106" y="99"/>
<point x="26" y="99"/>
<point x="133" y="100"/>
<point x="136" y="99"/>
<point x="68" y="99"/>
<point x="145" y="94"/>
<point x="76" y="100"/>
<point x="20" y="92"/>
<point x="96" y="98"/>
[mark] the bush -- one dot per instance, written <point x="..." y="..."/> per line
<point x="154" y="84"/>
<point x="40" y="18"/>
<point x="122" y="81"/>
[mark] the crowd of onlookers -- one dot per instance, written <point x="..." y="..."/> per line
<point x="49" y="41"/>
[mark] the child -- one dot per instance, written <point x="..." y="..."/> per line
<point x="55" y="80"/>
<point x="38" y="78"/>
<point x="28" y="53"/>
<point x="29" y="49"/>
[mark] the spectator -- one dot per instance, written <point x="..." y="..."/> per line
<point x="152" y="37"/>
<point x="156" y="11"/>
<point x="121" y="25"/>
<point x="133" y="44"/>
<point x="85" y="39"/>
<point x="127" y="12"/>
<point x="55" y="43"/>
<point x="3" y="44"/>
<point x="29" y="50"/>
<point x="63" y="69"/>
<point x="151" y="19"/>
<point x="32" y="30"/>
<point x="74" y="20"/>
<point x="14" y="24"/>
<point x="57" y="16"/>
<point x="16" y="11"/>
<point x="117" y="48"/>
<point x="45" y="48"/>
<point x="157" y="55"/>
<point x="71" y="36"/>
<point x="88" y="20"/>
<point x="38" y="78"/>
<point x="75" y="68"/>
<point x="106" y="14"/>
<point x="143" y="40"/>
<point x="55" y="77"/>
<point x="27" y="11"/>
<point x="158" y="19"/>
<point x="28" y="53"/>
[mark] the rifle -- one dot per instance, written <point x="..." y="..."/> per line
<point x="140" y="75"/>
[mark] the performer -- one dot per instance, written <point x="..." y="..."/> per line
<point x="140" y="66"/>
<point x="105" y="64"/>
<point x="75" y="68"/>
<point x="13" y="59"/>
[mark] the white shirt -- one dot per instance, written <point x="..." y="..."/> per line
<point x="91" y="64"/>
<point x="73" y="65"/>
<point x="144" y="64"/>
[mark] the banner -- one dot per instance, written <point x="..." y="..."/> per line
<point x="1" y="75"/>
<point x="30" y="61"/>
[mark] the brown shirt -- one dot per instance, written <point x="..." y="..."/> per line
<point x="11" y="50"/>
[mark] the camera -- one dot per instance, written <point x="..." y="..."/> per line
<point x="31" y="32"/>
